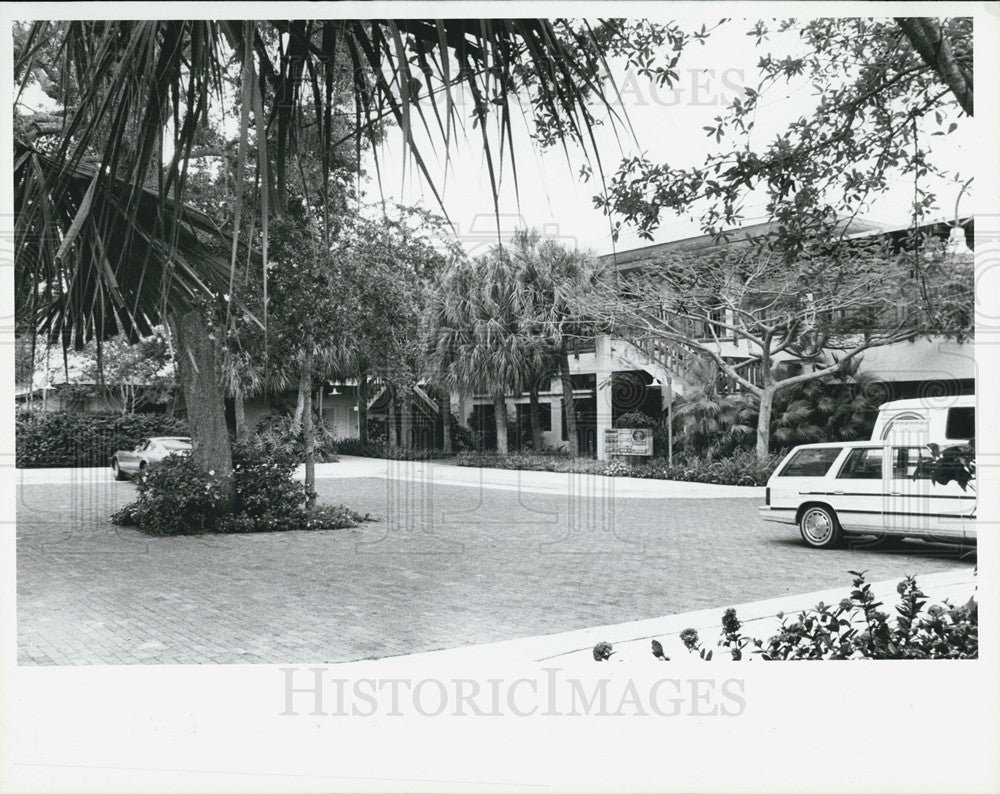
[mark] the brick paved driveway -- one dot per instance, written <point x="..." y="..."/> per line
<point x="445" y="566"/>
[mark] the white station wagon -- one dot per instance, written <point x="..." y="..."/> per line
<point x="880" y="488"/>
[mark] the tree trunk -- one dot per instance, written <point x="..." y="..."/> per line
<point x="390" y="424"/>
<point x="197" y="365"/>
<point x="534" y="419"/>
<point x="567" y="403"/>
<point x="297" y="416"/>
<point x="363" y="408"/>
<point x="308" y="430"/>
<point x="764" y="423"/>
<point x="239" y="411"/>
<point x="445" y="404"/>
<point x="500" y="415"/>
<point x="406" y="419"/>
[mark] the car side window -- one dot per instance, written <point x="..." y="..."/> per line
<point x="912" y="463"/>
<point x="142" y="446"/>
<point x="862" y="464"/>
<point x="810" y="462"/>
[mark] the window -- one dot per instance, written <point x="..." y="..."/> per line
<point x="810" y="462"/>
<point x="911" y="463"/>
<point x="961" y="423"/>
<point x="862" y="464"/>
<point x="544" y="415"/>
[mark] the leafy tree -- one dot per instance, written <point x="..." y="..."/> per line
<point x="104" y="242"/>
<point x="884" y="88"/>
<point x="388" y="262"/>
<point x="792" y="322"/>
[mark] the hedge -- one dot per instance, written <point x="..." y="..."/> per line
<point x="740" y="468"/>
<point x="60" y="439"/>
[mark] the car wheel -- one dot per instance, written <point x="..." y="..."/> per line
<point x="819" y="527"/>
<point x="119" y="474"/>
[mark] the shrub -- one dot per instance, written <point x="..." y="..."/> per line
<point x="353" y="446"/>
<point x="274" y="431"/>
<point x="180" y="498"/>
<point x="740" y="468"/>
<point x="635" y="419"/>
<point x="857" y="629"/>
<point x="175" y="498"/>
<point x="60" y="439"/>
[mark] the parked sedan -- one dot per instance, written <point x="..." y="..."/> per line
<point x="147" y="453"/>
<point x="875" y="488"/>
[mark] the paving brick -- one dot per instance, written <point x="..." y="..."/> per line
<point x="502" y="565"/>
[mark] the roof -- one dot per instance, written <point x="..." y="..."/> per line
<point x="859" y="228"/>
<point x="701" y="242"/>
<point x="953" y="401"/>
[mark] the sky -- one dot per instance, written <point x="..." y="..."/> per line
<point x="668" y="126"/>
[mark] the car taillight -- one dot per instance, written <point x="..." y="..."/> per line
<point x="767" y="495"/>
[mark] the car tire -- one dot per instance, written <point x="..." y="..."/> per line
<point x="819" y="527"/>
<point x="119" y="474"/>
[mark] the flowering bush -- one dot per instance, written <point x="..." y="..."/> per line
<point x="180" y="498"/>
<point x="858" y="629"/>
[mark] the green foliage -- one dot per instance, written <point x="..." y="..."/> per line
<point x="379" y="449"/>
<point x="178" y="497"/>
<point x="59" y="439"/>
<point x="635" y="419"/>
<point x="274" y="431"/>
<point x="857" y="628"/>
<point x="741" y="468"/>
<point x="849" y="147"/>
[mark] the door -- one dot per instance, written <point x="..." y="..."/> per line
<point x="858" y="492"/>
<point x="935" y="495"/>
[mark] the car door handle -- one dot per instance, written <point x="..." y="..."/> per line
<point x="838" y="493"/>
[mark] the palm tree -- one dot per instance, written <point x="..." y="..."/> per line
<point x="474" y="339"/>
<point x="554" y="284"/>
<point x="104" y="243"/>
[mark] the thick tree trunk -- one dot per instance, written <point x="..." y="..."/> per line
<point x="197" y="365"/>
<point x="764" y="424"/>
<point x="406" y="419"/>
<point x="308" y="430"/>
<point x="239" y="411"/>
<point x="534" y="419"/>
<point x="567" y="404"/>
<point x="363" y="408"/>
<point x="500" y="414"/>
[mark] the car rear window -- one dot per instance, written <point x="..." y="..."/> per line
<point x="810" y="462"/>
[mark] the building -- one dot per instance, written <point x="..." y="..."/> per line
<point x="612" y="376"/>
